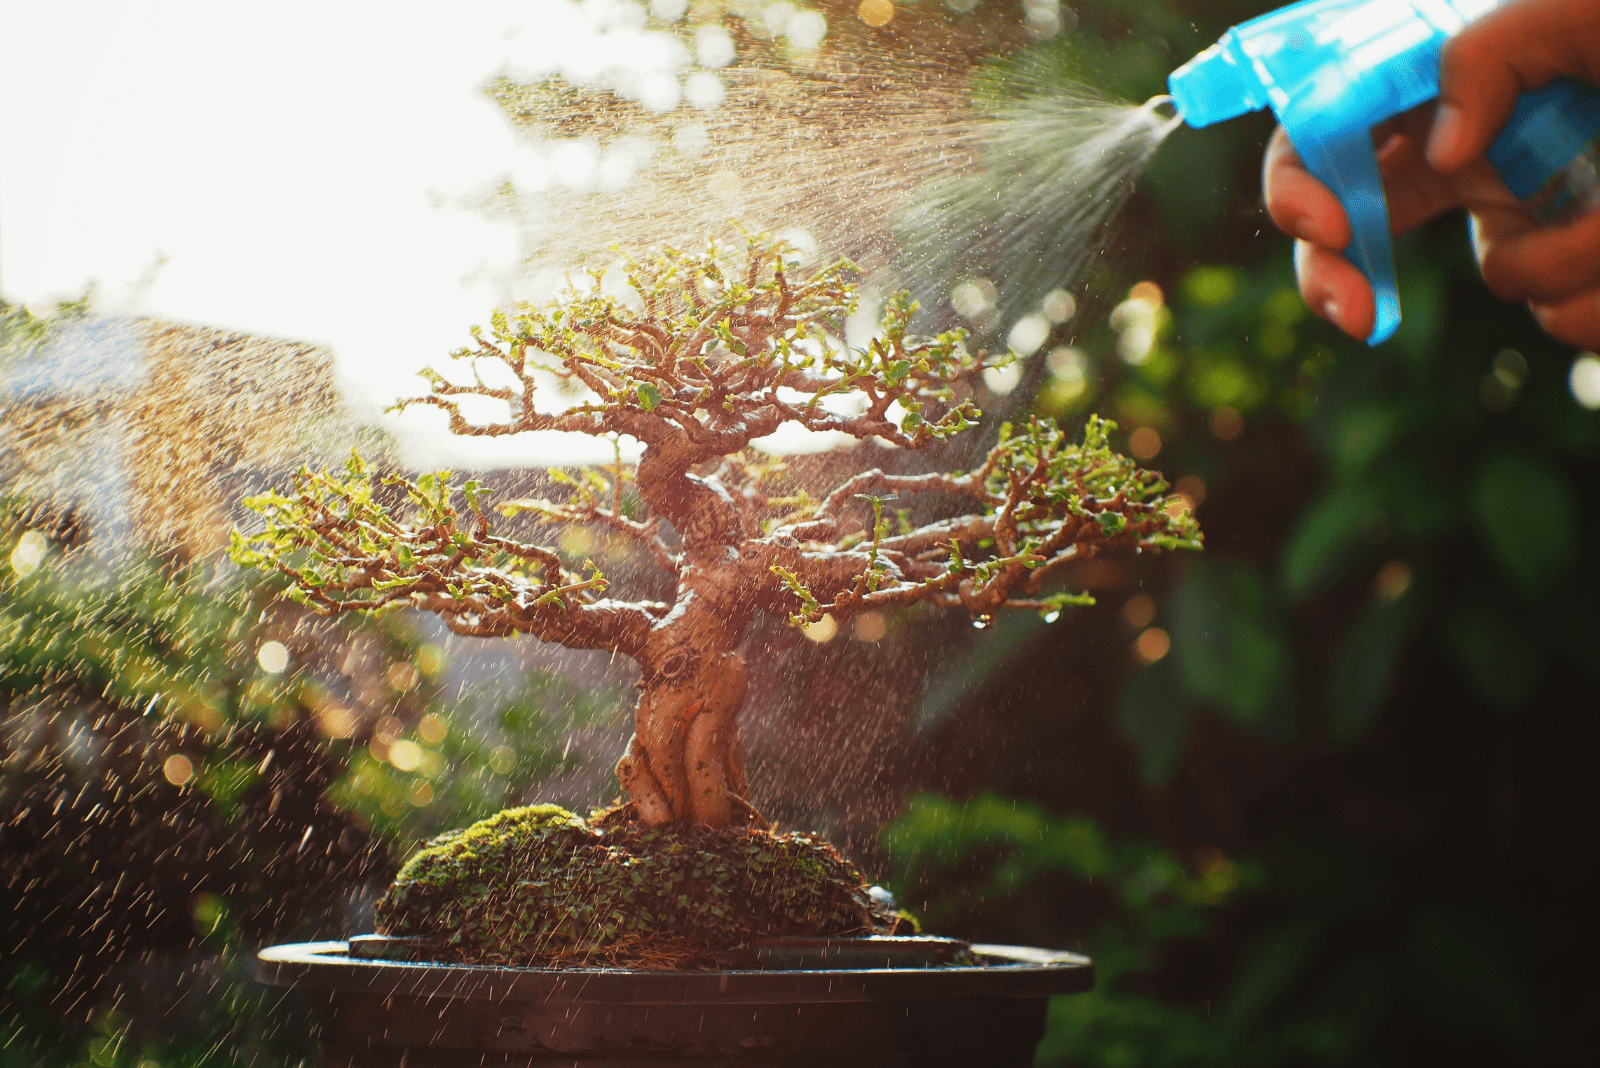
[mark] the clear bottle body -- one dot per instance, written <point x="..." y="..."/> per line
<point x="1570" y="192"/>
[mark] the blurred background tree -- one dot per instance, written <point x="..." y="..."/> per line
<point x="191" y="768"/>
<point x="1325" y="795"/>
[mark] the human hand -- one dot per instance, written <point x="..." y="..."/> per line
<point x="1432" y="160"/>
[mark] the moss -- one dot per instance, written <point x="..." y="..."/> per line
<point x="541" y="886"/>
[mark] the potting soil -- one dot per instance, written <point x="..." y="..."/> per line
<point x="540" y="886"/>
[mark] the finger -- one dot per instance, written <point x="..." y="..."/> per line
<point x="1334" y="288"/>
<point x="1575" y="321"/>
<point x="1521" y="260"/>
<point x="1415" y="192"/>
<point x="1486" y="66"/>
<point x="1300" y="206"/>
<point x="1303" y="207"/>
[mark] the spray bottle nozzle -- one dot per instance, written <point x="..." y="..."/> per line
<point x="1331" y="70"/>
<point x="1216" y="85"/>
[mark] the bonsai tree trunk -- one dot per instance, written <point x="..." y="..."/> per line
<point x="684" y="760"/>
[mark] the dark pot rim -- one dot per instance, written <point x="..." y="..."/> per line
<point x="1003" y="971"/>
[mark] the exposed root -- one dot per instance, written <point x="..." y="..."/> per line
<point x="650" y="803"/>
<point x="752" y="816"/>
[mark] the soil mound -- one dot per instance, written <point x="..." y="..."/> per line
<point x="542" y="887"/>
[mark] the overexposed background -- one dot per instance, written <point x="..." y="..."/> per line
<point x="300" y="169"/>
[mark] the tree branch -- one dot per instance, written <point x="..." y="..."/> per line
<point x="1046" y="503"/>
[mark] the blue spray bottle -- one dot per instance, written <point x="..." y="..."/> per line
<point x="1333" y="69"/>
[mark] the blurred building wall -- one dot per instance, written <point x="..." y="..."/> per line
<point x="150" y="431"/>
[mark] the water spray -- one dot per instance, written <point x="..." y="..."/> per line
<point x="1331" y="70"/>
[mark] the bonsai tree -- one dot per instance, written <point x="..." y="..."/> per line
<point x="702" y="354"/>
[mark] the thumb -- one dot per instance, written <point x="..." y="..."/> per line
<point x="1484" y="68"/>
<point x="1478" y="90"/>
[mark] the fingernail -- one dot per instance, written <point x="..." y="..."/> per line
<point x="1449" y="126"/>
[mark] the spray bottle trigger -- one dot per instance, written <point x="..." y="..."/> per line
<point x="1348" y="164"/>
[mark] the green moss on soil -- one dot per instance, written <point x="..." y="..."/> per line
<point x="539" y="886"/>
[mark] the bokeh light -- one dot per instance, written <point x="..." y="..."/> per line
<point x="876" y="13"/>
<point x="28" y="554"/>
<point x="405" y="755"/>
<point x="1144" y="443"/>
<point x="1029" y="334"/>
<point x="1058" y="305"/>
<point x="432" y="729"/>
<point x="1393" y="580"/>
<point x="823" y="630"/>
<point x="1226" y="423"/>
<point x="1002" y="380"/>
<point x="503" y="760"/>
<point x="178" y="769"/>
<point x="871" y="626"/>
<point x="1139" y="611"/>
<point x="1193" y="488"/>
<point x="1152" y="645"/>
<point x="713" y="46"/>
<point x="1584" y="380"/>
<point x="1069" y="378"/>
<point x="273" y="657"/>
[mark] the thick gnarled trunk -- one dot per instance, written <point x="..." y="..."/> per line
<point x="684" y="760"/>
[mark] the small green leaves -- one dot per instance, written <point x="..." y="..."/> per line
<point x="343" y="551"/>
<point x="1112" y="522"/>
<point x="1050" y="607"/>
<point x="473" y="490"/>
<point x="712" y="335"/>
<point x="957" y="563"/>
<point x="811" y="609"/>
<point x="1039" y="500"/>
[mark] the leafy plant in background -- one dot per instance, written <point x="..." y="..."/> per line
<point x="171" y="796"/>
<point x="1374" y="692"/>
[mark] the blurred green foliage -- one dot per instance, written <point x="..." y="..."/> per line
<point x="172" y="796"/>
<point x="1376" y="687"/>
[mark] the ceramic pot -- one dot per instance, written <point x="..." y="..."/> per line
<point x="858" y="1001"/>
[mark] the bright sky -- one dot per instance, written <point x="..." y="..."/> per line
<point x="289" y="164"/>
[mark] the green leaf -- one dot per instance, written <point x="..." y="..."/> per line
<point x="1363" y="669"/>
<point x="1154" y="711"/>
<point x="1230" y="647"/>
<point x="1111" y="522"/>
<point x="1529" y="515"/>
<point x="1326" y="538"/>
<point x="649" y="396"/>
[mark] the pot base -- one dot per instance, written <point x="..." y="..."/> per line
<point x="381" y="1014"/>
